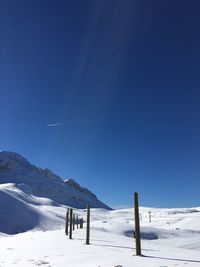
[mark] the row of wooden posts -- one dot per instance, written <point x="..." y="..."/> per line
<point x="73" y="220"/>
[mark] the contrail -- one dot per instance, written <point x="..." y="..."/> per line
<point x="64" y="123"/>
<point x="55" y="124"/>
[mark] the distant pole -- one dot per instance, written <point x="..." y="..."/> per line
<point x="77" y="221"/>
<point x="81" y="223"/>
<point x="73" y="222"/>
<point x="67" y="222"/>
<point x="70" y="224"/>
<point x="88" y="226"/>
<point x="137" y="225"/>
<point x="149" y="216"/>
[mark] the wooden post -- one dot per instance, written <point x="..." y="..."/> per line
<point x="73" y="221"/>
<point x="77" y="221"/>
<point x="81" y="223"/>
<point x="149" y="216"/>
<point x="67" y="222"/>
<point x="137" y="225"/>
<point x="88" y="226"/>
<point x="70" y="224"/>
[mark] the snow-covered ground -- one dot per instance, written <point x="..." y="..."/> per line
<point x="172" y="238"/>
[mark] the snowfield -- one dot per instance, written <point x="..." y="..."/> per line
<point x="171" y="239"/>
<point x="33" y="205"/>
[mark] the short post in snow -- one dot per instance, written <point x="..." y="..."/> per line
<point x="88" y="226"/>
<point x="77" y="221"/>
<point x="137" y="225"/>
<point x="70" y="224"/>
<point x="67" y="222"/>
<point x="149" y="216"/>
<point x="73" y="221"/>
<point x="81" y="223"/>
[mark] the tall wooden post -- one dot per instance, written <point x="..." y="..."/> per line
<point x="137" y="225"/>
<point x="70" y="224"/>
<point x="88" y="226"/>
<point x="77" y="221"/>
<point x="67" y="222"/>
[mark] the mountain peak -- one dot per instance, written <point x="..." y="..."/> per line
<point x="11" y="155"/>
<point x="12" y="160"/>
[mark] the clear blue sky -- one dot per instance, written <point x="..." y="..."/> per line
<point x="125" y="78"/>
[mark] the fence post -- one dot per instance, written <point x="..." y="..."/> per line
<point x="70" y="224"/>
<point x="88" y="226"/>
<point x="77" y="221"/>
<point x="73" y="221"/>
<point x="67" y="222"/>
<point x="137" y="225"/>
<point x="149" y="216"/>
<point x="81" y="223"/>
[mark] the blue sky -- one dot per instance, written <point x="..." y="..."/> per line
<point x="123" y="77"/>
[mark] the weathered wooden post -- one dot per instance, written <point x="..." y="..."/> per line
<point x="70" y="224"/>
<point x="77" y="221"/>
<point x="137" y="225"/>
<point x="67" y="222"/>
<point x="88" y="226"/>
<point x="73" y="221"/>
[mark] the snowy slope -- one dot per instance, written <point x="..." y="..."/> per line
<point x="177" y="242"/>
<point x="20" y="212"/>
<point x="44" y="183"/>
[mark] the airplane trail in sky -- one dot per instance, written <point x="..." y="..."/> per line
<point x="63" y="123"/>
<point x="55" y="124"/>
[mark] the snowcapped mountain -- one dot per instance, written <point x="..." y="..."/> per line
<point x="44" y="183"/>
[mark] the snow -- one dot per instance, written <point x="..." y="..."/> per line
<point x="20" y="212"/>
<point x="33" y="204"/>
<point x="177" y="241"/>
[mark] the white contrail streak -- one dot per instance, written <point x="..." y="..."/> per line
<point x="55" y="124"/>
<point x="64" y="123"/>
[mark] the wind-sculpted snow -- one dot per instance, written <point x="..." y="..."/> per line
<point x="44" y="183"/>
<point x="148" y="235"/>
<point x="20" y="212"/>
<point x="17" y="216"/>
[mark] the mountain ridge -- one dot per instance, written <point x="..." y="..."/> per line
<point x="40" y="182"/>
